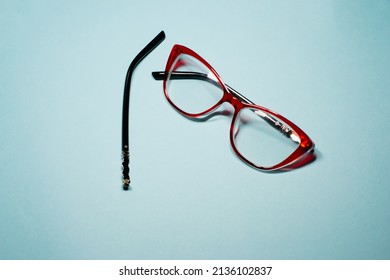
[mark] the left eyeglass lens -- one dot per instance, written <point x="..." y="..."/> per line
<point x="191" y="86"/>
<point x="262" y="138"/>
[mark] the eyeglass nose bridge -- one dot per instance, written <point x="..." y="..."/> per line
<point x="236" y="99"/>
<point x="233" y="101"/>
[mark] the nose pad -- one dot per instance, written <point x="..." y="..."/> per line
<point x="226" y="109"/>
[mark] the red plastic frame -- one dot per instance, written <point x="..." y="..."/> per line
<point x="305" y="147"/>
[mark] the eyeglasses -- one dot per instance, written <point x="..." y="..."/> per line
<point x="260" y="137"/>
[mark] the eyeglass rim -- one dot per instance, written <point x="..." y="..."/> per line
<point x="306" y="145"/>
<point x="175" y="52"/>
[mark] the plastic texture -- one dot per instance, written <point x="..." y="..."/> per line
<point x="302" y="155"/>
<point x="126" y="104"/>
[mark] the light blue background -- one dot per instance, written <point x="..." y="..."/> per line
<point x="322" y="64"/>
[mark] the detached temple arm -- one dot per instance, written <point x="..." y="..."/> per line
<point x="181" y="75"/>
<point x="126" y="100"/>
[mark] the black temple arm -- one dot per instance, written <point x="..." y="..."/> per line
<point x="126" y="103"/>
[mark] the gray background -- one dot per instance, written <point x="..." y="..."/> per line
<point x="322" y="64"/>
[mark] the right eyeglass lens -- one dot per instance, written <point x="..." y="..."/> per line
<point x="262" y="138"/>
<point x="191" y="86"/>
